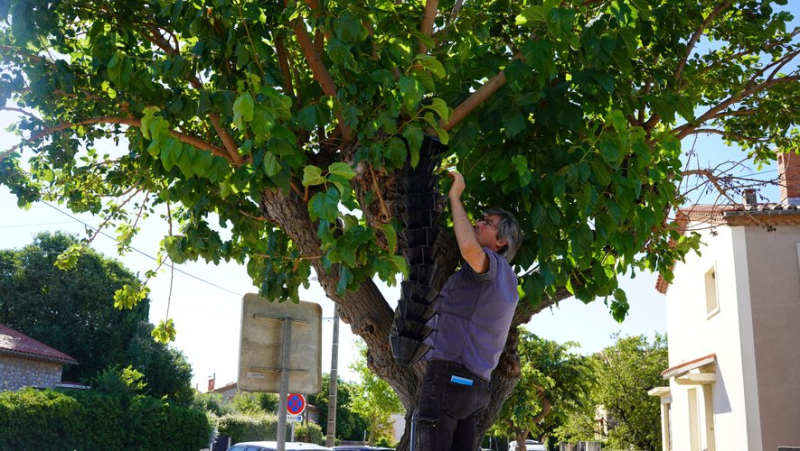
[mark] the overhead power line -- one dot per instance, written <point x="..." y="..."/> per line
<point x="141" y="252"/>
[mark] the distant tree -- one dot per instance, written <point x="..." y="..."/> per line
<point x="73" y="311"/>
<point x="554" y="384"/>
<point x="349" y="425"/>
<point x="625" y="372"/>
<point x="246" y="402"/>
<point x="374" y="399"/>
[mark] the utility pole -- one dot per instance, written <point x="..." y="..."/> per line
<point x="332" y="387"/>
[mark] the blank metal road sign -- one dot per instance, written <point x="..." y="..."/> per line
<point x="261" y="344"/>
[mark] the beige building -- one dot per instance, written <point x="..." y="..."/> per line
<point x="25" y="362"/>
<point x="733" y="322"/>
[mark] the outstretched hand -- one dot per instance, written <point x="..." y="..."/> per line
<point x="458" y="186"/>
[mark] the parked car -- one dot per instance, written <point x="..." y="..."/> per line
<point x="360" y="448"/>
<point x="273" y="446"/>
<point x="530" y="445"/>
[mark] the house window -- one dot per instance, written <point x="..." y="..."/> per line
<point x="712" y="303"/>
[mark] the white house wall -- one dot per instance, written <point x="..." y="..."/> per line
<point x="693" y="334"/>
<point x="775" y="291"/>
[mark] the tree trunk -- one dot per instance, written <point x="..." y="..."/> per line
<point x="370" y="316"/>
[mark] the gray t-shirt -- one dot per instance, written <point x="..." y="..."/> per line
<point x="474" y="314"/>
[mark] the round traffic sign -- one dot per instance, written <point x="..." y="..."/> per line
<point x="295" y="404"/>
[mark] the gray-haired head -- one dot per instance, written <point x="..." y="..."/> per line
<point x="507" y="229"/>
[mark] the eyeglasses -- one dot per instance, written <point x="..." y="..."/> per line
<point x="488" y="222"/>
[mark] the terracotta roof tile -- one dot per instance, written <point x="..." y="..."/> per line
<point x="685" y="367"/>
<point x="16" y="343"/>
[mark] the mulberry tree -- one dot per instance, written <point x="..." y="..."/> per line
<point x="290" y="123"/>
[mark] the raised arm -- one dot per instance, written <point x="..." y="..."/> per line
<point x="468" y="243"/>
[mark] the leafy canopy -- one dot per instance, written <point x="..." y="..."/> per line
<point x="569" y="113"/>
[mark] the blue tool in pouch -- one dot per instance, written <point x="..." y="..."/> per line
<point x="461" y="381"/>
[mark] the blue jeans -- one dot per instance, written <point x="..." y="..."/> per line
<point x="448" y="412"/>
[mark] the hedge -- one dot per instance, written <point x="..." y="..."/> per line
<point x="241" y="427"/>
<point x="32" y="419"/>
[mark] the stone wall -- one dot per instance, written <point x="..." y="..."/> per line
<point x="16" y="373"/>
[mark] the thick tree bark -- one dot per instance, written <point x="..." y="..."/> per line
<point x="370" y="316"/>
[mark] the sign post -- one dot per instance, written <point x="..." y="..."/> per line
<point x="295" y="405"/>
<point x="285" y="349"/>
<point x="279" y="351"/>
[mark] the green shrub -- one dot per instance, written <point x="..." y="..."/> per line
<point x="309" y="433"/>
<point x="246" y="427"/>
<point x="242" y="427"/>
<point x="48" y="419"/>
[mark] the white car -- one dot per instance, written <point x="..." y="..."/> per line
<point x="273" y="446"/>
<point x="530" y="445"/>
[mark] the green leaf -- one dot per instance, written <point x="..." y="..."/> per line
<point x="619" y="307"/>
<point x="513" y="122"/>
<point x="324" y="205"/>
<point x="171" y="149"/>
<point x="114" y="68"/>
<point x="600" y="50"/>
<point x="242" y="55"/>
<point x="129" y="296"/>
<point x="345" y="277"/>
<point x="262" y="123"/>
<point x="410" y="92"/>
<point x="540" y="55"/>
<point x="617" y="120"/>
<point x="307" y="118"/>
<point x="396" y="151"/>
<point x="559" y="22"/>
<point x="532" y="16"/>
<point x="312" y="175"/>
<point x="271" y="164"/>
<point x="69" y="258"/>
<point x="521" y="163"/>
<point x="148" y="117"/>
<point x="413" y="135"/>
<point x="164" y="332"/>
<point x="424" y="38"/>
<point x="243" y="110"/>
<point x="391" y="237"/>
<point x="351" y="114"/>
<point x="339" y="52"/>
<point x="387" y="123"/>
<point x="432" y="65"/>
<point x="347" y="26"/>
<point x="202" y="162"/>
<point x="440" y="107"/>
<point x="342" y="169"/>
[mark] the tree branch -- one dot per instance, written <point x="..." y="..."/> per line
<point x="131" y="122"/>
<point x="763" y="48"/>
<point x="780" y="63"/>
<point x="714" y="181"/>
<point x="318" y="68"/>
<point x="19" y="110"/>
<point x="283" y="62"/>
<point x="696" y="36"/>
<point x="732" y="136"/>
<point x="250" y="38"/>
<point x="730" y="101"/>
<point x="426" y="28"/>
<point x="227" y="140"/>
<point x="474" y="100"/>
